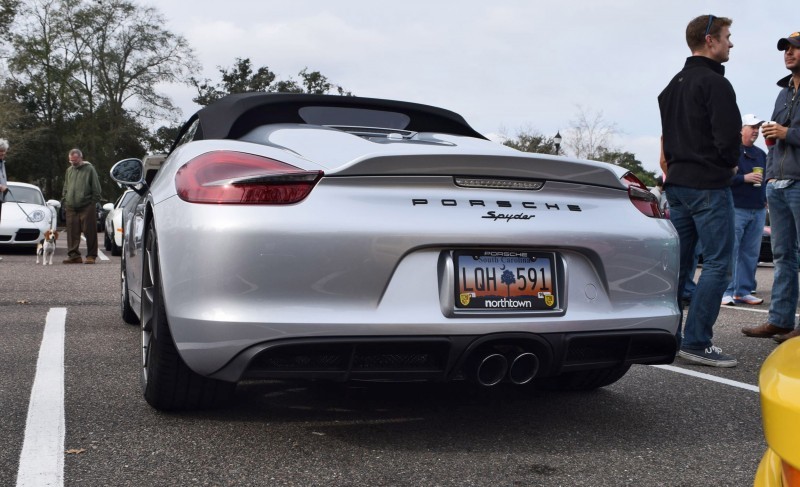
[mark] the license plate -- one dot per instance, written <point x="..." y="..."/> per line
<point x="505" y="280"/>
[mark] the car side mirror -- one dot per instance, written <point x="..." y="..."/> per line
<point x="129" y="173"/>
<point x="108" y="206"/>
<point x="54" y="203"/>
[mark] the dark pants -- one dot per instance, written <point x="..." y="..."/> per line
<point x="81" y="220"/>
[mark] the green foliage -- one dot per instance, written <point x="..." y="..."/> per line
<point x="8" y="11"/>
<point x="160" y="141"/>
<point x="532" y="141"/>
<point x="241" y="78"/>
<point x="588" y="132"/>
<point x="85" y="74"/>
<point x="628" y="161"/>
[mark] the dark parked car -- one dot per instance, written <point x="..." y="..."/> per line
<point x="101" y="217"/>
<point x="765" y="254"/>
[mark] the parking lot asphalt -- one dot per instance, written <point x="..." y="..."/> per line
<point x="681" y="425"/>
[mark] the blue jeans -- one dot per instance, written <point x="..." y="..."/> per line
<point x="784" y="218"/>
<point x="689" y="286"/>
<point x="704" y="216"/>
<point x="749" y="226"/>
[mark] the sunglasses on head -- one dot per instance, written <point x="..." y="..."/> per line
<point x="710" y="23"/>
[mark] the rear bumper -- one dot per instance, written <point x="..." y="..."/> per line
<point x="443" y="358"/>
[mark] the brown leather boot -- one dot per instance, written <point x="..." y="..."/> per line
<point x="764" y="330"/>
<point x="786" y="336"/>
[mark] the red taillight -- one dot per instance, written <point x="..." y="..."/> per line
<point x="226" y="177"/>
<point x="641" y="197"/>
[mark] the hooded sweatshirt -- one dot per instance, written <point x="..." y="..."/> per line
<point x="81" y="186"/>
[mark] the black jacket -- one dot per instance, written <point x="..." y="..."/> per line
<point x="701" y="125"/>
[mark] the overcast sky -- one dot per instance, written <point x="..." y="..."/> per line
<point x="503" y="65"/>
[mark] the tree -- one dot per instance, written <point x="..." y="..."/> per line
<point x="241" y="78"/>
<point x="589" y="134"/>
<point x="87" y="71"/>
<point x="161" y="140"/>
<point x="589" y="137"/>
<point x="628" y="161"/>
<point x="8" y="11"/>
<point x="508" y="279"/>
<point x="529" y="140"/>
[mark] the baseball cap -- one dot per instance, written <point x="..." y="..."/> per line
<point x="793" y="39"/>
<point x="751" y="119"/>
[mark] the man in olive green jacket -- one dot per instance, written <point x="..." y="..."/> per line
<point x="81" y="193"/>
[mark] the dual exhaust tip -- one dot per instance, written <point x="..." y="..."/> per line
<point x="494" y="367"/>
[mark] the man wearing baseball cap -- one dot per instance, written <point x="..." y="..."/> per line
<point x="783" y="198"/>
<point x="750" y="211"/>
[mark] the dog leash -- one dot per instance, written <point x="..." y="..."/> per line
<point x="8" y="190"/>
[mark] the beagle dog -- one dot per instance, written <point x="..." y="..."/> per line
<point x="47" y="247"/>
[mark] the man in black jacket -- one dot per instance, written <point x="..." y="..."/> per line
<point x="701" y="134"/>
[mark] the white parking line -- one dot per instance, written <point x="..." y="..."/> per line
<point x="712" y="378"/>
<point x="100" y="254"/>
<point x="746" y="308"/>
<point x="41" y="462"/>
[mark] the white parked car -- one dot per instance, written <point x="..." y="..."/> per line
<point x="115" y="223"/>
<point x="26" y="216"/>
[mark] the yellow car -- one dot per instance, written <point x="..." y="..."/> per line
<point x="779" y="381"/>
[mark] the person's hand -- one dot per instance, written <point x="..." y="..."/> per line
<point x="774" y="131"/>
<point x="754" y="178"/>
<point x="3" y="188"/>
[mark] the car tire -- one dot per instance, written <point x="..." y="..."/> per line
<point x="106" y="241"/>
<point x="167" y="382"/>
<point x="128" y="314"/>
<point x="116" y="250"/>
<point x="583" y="380"/>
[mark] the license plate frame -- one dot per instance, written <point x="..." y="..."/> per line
<point x="505" y="281"/>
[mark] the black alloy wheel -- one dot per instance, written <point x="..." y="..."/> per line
<point x="167" y="382"/>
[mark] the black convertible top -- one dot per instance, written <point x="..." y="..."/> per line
<point x="235" y="115"/>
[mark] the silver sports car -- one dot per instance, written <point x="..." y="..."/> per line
<point x="343" y="238"/>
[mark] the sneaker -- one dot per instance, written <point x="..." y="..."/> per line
<point x="749" y="299"/>
<point x="73" y="260"/>
<point x="728" y="301"/>
<point x="711" y="356"/>
<point x="89" y="260"/>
